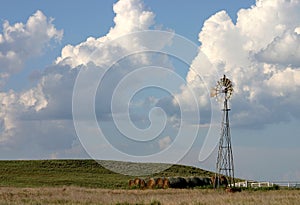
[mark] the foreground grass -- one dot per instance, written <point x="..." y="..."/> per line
<point x="76" y="195"/>
<point x="82" y="173"/>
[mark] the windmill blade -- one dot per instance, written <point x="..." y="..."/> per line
<point x="223" y="79"/>
<point x="230" y="88"/>
<point x="228" y="83"/>
<point x="213" y="92"/>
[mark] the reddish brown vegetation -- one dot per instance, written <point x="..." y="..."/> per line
<point x="131" y="183"/>
<point x="142" y="184"/>
<point x="171" y="182"/>
<point x="159" y="183"/>
<point x="151" y="183"/>
<point x="166" y="183"/>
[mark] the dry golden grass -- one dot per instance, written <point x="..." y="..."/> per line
<point x="76" y="195"/>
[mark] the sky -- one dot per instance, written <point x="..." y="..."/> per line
<point x="130" y="80"/>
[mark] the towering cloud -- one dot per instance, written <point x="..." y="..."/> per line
<point x="260" y="53"/>
<point x="41" y="117"/>
<point x="130" y="17"/>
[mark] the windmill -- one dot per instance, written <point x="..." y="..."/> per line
<point x="224" y="166"/>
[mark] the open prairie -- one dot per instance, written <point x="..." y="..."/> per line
<point x="77" y="195"/>
<point x="80" y="173"/>
<point x="87" y="182"/>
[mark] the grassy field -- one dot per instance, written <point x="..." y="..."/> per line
<point x="87" y="182"/>
<point x="82" y="173"/>
<point x="78" y="195"/>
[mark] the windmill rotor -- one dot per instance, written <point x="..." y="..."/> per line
<point x="223" y="89"/>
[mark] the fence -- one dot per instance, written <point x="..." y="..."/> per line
<point x="254" y="184"/>
<point x="288" y="184"/>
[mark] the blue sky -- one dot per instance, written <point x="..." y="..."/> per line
<point x="254" y="43"/>
<point x="94" y="18"/>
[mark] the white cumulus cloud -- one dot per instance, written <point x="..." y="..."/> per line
<point x="41" y="117"/>
<point x="283" y="50"/>
<point x="131" y="16"/>
<point x="260" y="54"/>
<point x="20" y="42"/>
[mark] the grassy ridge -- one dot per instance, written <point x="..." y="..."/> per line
<point x="83" y="173"/>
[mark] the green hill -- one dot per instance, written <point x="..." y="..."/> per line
<point x="84" y="173"/>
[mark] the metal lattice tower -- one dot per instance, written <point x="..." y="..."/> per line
<point x="224" y="165"/>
